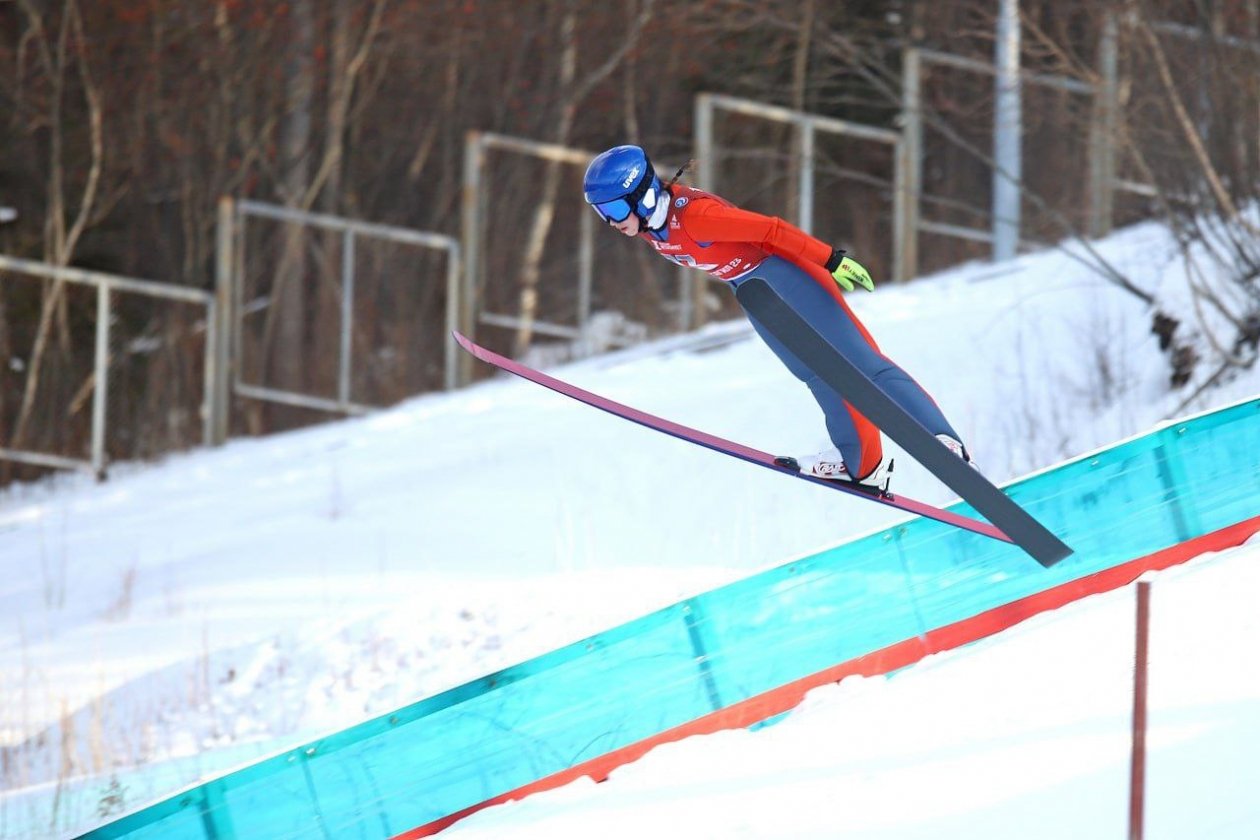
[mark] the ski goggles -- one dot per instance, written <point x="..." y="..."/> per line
<point x="617" y="210"/>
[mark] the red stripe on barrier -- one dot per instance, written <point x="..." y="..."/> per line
<point x="777" y="701"/>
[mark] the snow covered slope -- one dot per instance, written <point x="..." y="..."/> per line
<point x="1026" y="734"/>
<point x="190" y="615"/>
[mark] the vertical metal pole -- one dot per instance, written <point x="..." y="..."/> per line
<point x="805" y="212"/>
<point x="691" y="311"/>
<point x="1102" y="161"/>
<point x="210" y="373"/>
<point x="219" y="338"/>
<point x="1137" y="767"/>
<point x="586" y="266"/>
<point x="347" y="315"/>
<point x="705" y="166"/>
<point x="453" y="274"/>
<point x="1007" y="128"/>
<point x="471" y="223"/>
<point x="101" y="392"/>
<point x="908" y="175"/>
<point x="237" y="310"/>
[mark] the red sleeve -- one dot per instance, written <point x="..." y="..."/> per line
<point x="712" y="221"/>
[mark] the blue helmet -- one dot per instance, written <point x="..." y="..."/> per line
<point x="621" y="181"/>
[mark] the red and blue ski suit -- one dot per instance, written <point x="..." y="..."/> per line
<point x="706" y="232"/>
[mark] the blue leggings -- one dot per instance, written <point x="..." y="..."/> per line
<point x="835" y="322"/>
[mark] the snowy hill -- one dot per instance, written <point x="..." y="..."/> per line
<point x="1026" y="734"/>
<point x="192" y="615"/>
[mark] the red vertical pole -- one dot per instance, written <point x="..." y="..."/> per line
<point x="1137" y="773"/>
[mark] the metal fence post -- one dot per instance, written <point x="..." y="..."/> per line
<point x="454" y="273"/>
<point x="236" y="328"/>
<point x="805" y="192"/>
<point x="1102" y="135"/>
<point x="347" y="315"/>
<point x="1007" y="125"/>
<point x="586" y="265"/>
<point x="210" y="374"/>
<point x="471" y="223"/>
<point x="691" y="311"/>
<point x="219" y="328"/>
<point x="100" y="393"/>
<point x="908" y="176"/>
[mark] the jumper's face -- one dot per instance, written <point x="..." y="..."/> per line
<point x="629" y="225"/>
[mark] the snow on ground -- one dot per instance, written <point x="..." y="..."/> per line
<point x="195" y="614"/>
<point x="1026" y="734"/>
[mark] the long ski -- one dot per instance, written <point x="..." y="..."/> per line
<point x="726" y="447"/>
<point x="822" y="357"/>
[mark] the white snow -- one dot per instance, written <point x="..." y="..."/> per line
<point x="1026" y="734"/>
<point x="189" y="616"/>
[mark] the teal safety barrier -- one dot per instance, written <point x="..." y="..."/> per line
<point x="467" y="745"/>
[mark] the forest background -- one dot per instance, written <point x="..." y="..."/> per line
<point x="124" y="122"/>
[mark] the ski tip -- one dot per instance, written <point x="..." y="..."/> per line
<point x="470" y="346"/>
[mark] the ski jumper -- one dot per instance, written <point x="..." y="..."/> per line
<point x="706" y="232"/>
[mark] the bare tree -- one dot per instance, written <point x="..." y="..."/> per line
<point x="1195" y="139"/>
<point x="125" y="122"/>
<point x="572" y="93"/>
<point x="61" y="234"/>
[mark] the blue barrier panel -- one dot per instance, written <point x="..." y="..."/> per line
<point x="460" y="748"/>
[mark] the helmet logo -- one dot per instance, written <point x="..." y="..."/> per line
<point x="634" y="173"/>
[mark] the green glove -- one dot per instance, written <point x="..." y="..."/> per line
<point x="849" y="271"/>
